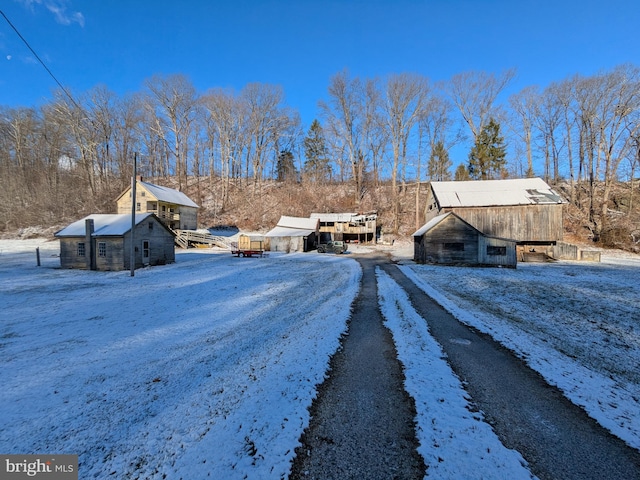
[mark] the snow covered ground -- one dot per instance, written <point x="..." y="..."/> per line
<point x="455" y="442"/>
<point x="206" y="368"/>
<point x="578" y="324"/>
<point x="203" y="368"/>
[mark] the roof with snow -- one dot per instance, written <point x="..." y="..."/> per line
<point x="487" y="193"/>
<point x="430" y="224"/>
<point x="165" y="194"/>
<point x="104" y="225"/>
<point x="294" y="227"/>
<point x="169" y="195"/>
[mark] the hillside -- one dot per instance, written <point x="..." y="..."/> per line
<point x="257" y="207"/>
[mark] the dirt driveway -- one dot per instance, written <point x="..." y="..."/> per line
<point x="362" y="423"/>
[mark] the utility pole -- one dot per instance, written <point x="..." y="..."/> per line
<point x="132" y="260"/>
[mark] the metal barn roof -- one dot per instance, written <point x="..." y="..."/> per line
<point x="294" y="227"/>
<point x="487" y="193"/>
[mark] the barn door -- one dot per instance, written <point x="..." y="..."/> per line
<point x="145" y="252"/>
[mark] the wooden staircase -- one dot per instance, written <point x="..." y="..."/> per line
<point x="188" y="238"/>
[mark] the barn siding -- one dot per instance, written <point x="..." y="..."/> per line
<point x="509" y="259"/>
<point x="433" y="248"/>
<point x="525" y="223"/>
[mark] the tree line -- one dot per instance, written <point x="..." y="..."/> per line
<point x="74" y="154"/>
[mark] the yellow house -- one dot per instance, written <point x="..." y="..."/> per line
<point x="172" y="207"/>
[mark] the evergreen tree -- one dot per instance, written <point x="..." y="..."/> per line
<point x="316" y="165"/>
<point x="286" y="169"/>
<point x="487" y="159"/>
<point x="461" y="174"/>
<point x="439" y="163"/>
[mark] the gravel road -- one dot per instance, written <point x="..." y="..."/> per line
<point x="362" y="423"/>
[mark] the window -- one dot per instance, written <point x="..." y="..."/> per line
<point x="150" y="225"/>
<point x="138" y="206"/>
<point x="102" y="249"/>
<point x="145" y="249"/>
<point x="493" y="250"/>
<point x="454" y="247"/>
<point x="143" y="193"/>
<point x="81" y="249"/>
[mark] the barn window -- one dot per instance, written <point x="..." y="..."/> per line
<point x="454" y="246"/>
<point x="102" y="249"/>
<point x="81" y="249"/>
<point x="493" y="250"/>
<point x="143" y="193"/>
<point x="150" y="225"/>
<point x="138" y="206"/>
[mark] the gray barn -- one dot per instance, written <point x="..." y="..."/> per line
<point x="449" y="240"/>
<point x="103" y="242"/>
<point x="526" y="210"/>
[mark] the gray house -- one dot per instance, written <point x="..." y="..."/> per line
<point x="103" y="242"/>
<point x="449" y="240"/>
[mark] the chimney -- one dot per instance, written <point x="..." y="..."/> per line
<point x="88" y="244"/>
<point x="139" y="178"/>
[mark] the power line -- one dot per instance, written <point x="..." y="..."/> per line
<point x="39" y="59"/>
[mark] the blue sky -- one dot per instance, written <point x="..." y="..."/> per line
<point x="301" y="44"/>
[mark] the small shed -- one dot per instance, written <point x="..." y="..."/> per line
<point x="449" y="240"/>
<point x="293" y="234"/>
<point x="103" y="242"/>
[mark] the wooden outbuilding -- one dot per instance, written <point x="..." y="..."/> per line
<point x="172" y="207"/>
<point x="348" y="227"/>
<point x="103" y="242"/>
<point x="526" y="210"/>
<point x="293" y="234"/>
<point x="449" y="240"/>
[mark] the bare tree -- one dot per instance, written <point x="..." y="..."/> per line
<point x="475" y="94"/>
<point x="617" y="126"/>
<point x="263" y="103"/>
<point x="406" y="98"/>
<point x="345" y="116"/>
<point x="563" y="94"/>
<point x="524" y="104"/>
<point x="227" y="135"/>
<point x="172" y="103"/>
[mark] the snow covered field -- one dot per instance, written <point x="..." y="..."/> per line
<point x="203" y="368"/>
<point x="206" y="368"/>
